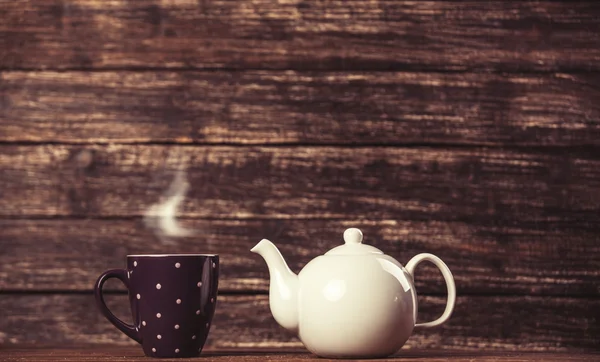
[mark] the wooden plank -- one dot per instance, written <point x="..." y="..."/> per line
<point x="543" y="259"/>
<point x="479" y="323"/>
<point x="475" y="185"/>
<point x="131" y="353"/>
<point x="387" y="108"/>
<point x="383" y="34"/>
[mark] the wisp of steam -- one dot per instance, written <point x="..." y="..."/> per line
<point x="161" y="217"/>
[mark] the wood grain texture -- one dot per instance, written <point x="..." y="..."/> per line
<point x="476" y="185"/>
<point x="542" y="259"/>
<point x="384" y="34"/>
<point x="383" y="108"/>
<point x="466" y="129"/>
<point x="132" y="353"/>
<point x="516" y="324"/>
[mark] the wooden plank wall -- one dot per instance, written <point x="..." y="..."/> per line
<point x="470" y="130"/>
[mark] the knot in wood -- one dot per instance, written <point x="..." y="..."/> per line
<point x="84" y="159"/>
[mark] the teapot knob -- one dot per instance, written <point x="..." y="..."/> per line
<point x="353" y="236"/>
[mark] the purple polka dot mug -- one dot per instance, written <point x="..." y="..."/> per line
<point x="173" y="299"/>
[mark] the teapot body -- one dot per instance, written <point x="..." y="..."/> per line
<point x="355" y="306"/>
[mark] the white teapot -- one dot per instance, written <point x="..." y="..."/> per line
<point x="353" y="302"/>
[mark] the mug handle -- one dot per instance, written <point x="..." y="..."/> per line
<point x="410" y="267"/>
<point x="130" y="330"/>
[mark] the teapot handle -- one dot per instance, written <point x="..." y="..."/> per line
<point x="410" y="267"/>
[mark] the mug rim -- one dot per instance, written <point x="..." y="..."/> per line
<point x="168" y="255"/>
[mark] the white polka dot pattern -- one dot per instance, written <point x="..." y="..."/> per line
<point x="177" y="317"/>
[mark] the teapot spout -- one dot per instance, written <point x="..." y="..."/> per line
<point x="283" y="289"/>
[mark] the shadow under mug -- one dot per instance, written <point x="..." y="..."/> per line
<point x="173" y="299"/>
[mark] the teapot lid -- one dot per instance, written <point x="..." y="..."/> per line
<point x="353" y="245"/>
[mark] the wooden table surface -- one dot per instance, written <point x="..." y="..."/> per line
<point x="108" y="353"/>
